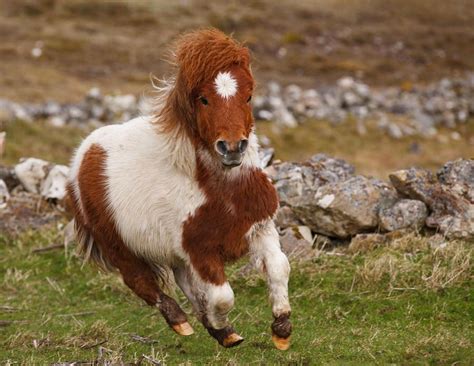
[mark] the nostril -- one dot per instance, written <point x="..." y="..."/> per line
<point x="243" y="144"/>
<point x="222" y="147"/>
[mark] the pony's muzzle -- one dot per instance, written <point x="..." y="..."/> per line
<point x="231" y="153"/>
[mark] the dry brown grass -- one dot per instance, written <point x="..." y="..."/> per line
<point x="117" y="44"/>
<point x="410" y="262"/>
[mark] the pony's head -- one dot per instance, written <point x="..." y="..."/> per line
<point x="212" y="93"/>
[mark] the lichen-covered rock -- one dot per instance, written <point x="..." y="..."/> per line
<point x="451" y="212"/>
<point x="285" y="217"/>
<point x="31" y="172"/>
<point x="459" y="176"/>
<point x="8" y="175"/>
<point x="343" y="209"/>
<point x="4" y="194"/>
<point x="294" y="244"/>
<point x="404" y="214"/>
<point x="54" y="186"/>
<point x="295" y="182"/>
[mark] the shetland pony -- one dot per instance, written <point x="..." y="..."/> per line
<point x="181" y="193"/>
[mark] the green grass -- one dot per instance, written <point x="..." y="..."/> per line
<point x="40" y="140"/>
<point x="401" y="303"/>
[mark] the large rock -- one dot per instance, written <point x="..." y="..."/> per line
<point x="459" y="176"/>
<point x="345" y="208"/>
<point x="285" y="217"/>
<point x="295" y="242"/>
<point x="44" y="178"/>
<point x="404" y="214"/>
<point x="4" y="194"/>
<point x="452" y="210"/>
<point x="54" y="186"/>
<point x="295" y="182"/>
<point x="31" y="172"/>
<point x="8" y="175"/>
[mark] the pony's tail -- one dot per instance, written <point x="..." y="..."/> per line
<point x="88" y="249"/>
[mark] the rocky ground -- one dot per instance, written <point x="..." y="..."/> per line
<point x="323" y="201"/>
<point x="400" y="112"/>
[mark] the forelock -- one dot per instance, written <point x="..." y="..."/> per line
<point x="202" y="54"/>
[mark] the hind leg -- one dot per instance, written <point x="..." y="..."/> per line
<point x="97" y="232"/>
<point x="211" y="303"/>
<point x="138" y="275"/>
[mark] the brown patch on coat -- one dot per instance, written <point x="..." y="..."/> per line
<point x="215" y="233"/>
<point x="100" y="240"/>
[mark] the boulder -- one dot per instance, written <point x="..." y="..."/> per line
<point x="31" y="172"/>
<point x="4" y="194"/>
<point x="452" y="212"/>
<point x="459" y="176"/>
<point x="294" y="244"/>
<point x="8" y="175"/>
<point x="285" y="217"/>
<point x="345" y="208"/>
<point x="295" y="182"/>
<point x="54" y="186"/>
<point x="404" y="214"/>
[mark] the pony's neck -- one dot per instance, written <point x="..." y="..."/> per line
<point x="181" y="151"/>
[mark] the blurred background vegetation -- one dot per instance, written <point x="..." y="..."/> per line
<point x="117" y="44"/>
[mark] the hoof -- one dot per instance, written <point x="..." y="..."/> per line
<point x="232" y="340"/>
<point x="281" y="343"/>
<point x="183" y="329"/>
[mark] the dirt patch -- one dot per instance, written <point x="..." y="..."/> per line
<point x="27" y="211"/>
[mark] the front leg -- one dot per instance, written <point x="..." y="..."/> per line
<point x="211" y="302"/>
<point x="267" y="256"/>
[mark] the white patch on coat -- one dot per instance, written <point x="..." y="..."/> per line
<point x="226" y="85"/>
<point x="266" y="255"/>
<point x="151" y="186"/>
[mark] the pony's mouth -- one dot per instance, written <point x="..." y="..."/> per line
<point x="231" y="165"/>
<point x="232" y="160"/>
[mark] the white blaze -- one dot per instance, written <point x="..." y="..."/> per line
<point x="226" y="85"/>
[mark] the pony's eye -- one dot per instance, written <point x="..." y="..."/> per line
<point x="204" y="101"/>
<point x="249" y="99"/>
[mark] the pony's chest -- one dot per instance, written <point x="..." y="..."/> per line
<point x="230" y="211"/>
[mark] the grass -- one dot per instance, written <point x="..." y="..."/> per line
<point x="350" y="308"/>
<point x="40" y="140"/>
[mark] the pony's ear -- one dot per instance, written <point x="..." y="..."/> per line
<point x="245" y="57"/>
